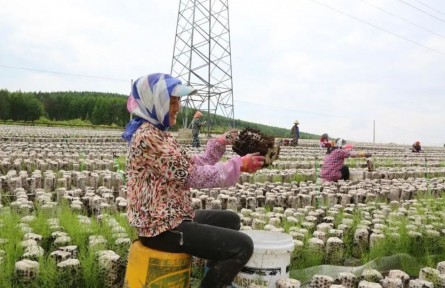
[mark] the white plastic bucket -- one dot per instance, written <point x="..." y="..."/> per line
<point x="270" y="260"/>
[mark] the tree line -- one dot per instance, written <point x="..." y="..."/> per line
<point x="106" y="109"/>
<point x="93" y="107"/>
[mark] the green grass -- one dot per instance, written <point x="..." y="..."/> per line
<point x="419" y="252"/>
<point x="89" y="274"/>
<point x="13" y="251"/>
<point x="121" y="161"/>
<point x="412" y="253"/>
<point x="82" y="165"/>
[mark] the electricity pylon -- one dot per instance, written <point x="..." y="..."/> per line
<point x="202" y="58"/>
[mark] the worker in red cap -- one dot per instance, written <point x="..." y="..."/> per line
<point x="196" y="128"/>
<point x="416" y="147"/>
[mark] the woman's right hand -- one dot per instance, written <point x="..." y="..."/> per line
<point x="252" y="162"/>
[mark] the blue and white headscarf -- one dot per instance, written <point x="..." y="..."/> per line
<point x="149" y="101"/>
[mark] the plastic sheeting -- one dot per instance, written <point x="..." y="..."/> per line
<point x="402" y="262"/>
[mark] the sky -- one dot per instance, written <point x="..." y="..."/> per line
<point x="363" y="70"/>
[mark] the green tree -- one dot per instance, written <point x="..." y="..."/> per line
<point x="97" y="115"/>
<point x="34" y="109"/>
<point x="4" y="105"/>
<point x="25" y="107"/>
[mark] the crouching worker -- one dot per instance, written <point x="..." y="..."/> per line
<point x="160" y="175"/>
<point x="416" y="147"/>
<point x="333" y="163"/>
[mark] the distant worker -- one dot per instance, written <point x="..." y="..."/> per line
<point x="196" y="128"/>
<point x="295" y="132"/>
<point x="324" y="141"/>
<point x="416" y="147"/>
<point x="333" y="163"/>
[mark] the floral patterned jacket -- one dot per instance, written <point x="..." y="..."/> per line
<point x="160" y="175"/>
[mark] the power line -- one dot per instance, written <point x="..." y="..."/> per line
<point x="302" y="111"/>
<point x="430" y="7"/>
<point x="62" y="73"/>
<point x="378" y="27"/>
<point x="408" y="4"/>
<point x="400" y="18"/>
<point x="422" y="134"/>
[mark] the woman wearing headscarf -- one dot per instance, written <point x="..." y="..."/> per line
<point x="196" y="128"/>
<point x="160" y="175"/>
<point x="334" y="168"/>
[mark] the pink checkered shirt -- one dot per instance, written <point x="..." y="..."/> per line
<point x="332" y="164"/>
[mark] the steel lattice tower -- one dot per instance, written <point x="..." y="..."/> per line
<point x="202" y="57"/>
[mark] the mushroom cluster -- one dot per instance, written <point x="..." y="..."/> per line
<point x="252" y="141"/>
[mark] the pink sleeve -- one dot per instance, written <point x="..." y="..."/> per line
<point x="213" y="153"/>
<point x="222" y="174"/>
<point x="345" y="153"/>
